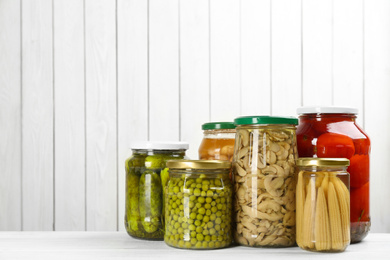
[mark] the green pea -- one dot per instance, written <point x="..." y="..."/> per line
<point x="199" y="229"/>
<point x="193" y="215"/>
<point x="201" y="200"/>
<point x="199" y="217"/>
<point x="199" y="237"/>
<point x="206" y="218"/>
<point x="210" y="225"/>
<point x="201" y="211"/>
<point x="191" y="227"/>
<point x="193" y="234"/>
<point x="207" y="238"/>
<point x="218" y="221"/>
<point x="209" y="193"/>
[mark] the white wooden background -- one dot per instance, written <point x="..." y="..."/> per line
<point x="81" y="79"/>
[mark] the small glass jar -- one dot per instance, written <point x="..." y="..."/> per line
<point x="218" y="141"/>
<point x="198" y="204"/>
<point x="263" y="174"/>
<point x="323" y="204"/>
<point x="327" y="132"/>
<point x="146" y="175"/>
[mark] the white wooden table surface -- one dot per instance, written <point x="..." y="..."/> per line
<point x="118" y="245"/>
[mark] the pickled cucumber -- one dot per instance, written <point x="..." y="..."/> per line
<point x="199" y="212"/>
<point x="150" y="200"/>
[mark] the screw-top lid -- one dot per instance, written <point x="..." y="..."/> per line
<point x="144" y="145"/>
<point x="326" y="110"/>
<point x="323" y="162"/>
<point x="218" y="125"/>
<point x="198" y="164"/>
<point x="265" y="120"/>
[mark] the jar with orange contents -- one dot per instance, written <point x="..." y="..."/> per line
<point x="218" y="141"/>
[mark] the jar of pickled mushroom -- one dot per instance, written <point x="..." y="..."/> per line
<point x="323" y="204"/>
<point x="198" y="204"/>
<point x="218" y="141"/>
<point x="327" y="132"/>
<point x="264" y="183"/>
<point x="146" y="177"/>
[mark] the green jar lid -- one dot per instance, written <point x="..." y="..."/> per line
<point x="265" y="120"/>
<point x="218" y="125"/>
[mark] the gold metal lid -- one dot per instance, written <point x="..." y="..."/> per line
<point x="198" y="164"/>
<point x="322" y="162"/>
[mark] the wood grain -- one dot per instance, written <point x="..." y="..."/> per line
<point x="348" y="55"/>
<point x="101" y="113"/>
<point x="37" y="120"/>
<point x="317" y="42"/>
<point x="164" y="70"/>
<point x="225" y="60"/>
<point x="10" y="117"/>
<point x="132" y="86"/>
<point x="69" y="115"/>
<point x="377" y="107"/>
<point x="255" y="57"/>
<point x="194" y="72"/>
<point x="286" y="42"/>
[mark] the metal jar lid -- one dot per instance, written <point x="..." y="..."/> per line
<point x="198" y="164"/>
<point x="322" y="162"/>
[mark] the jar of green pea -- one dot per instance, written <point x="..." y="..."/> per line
<point x="198" y="204"/>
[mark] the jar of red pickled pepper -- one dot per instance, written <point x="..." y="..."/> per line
<point x="332" y="132"/>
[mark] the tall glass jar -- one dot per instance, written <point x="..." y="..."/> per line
<point x="323" y="204"/>
<point x="327" y="132"/>
<point x="198" y="204"/>
<point x="146" y="177"/>
<point x="264" y="184"/>
<point x="218" y="141"/>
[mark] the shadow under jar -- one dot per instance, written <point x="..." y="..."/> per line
<point x="332" y="132"/>
<point x="198" y="204"/>
<point x="264" y="184"/>
<point x="146" y="177"/>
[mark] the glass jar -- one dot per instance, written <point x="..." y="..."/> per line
<point x="218" y="141"/>
<point x="146" y="175"/>
<point x="198" y="204"/>
<point x="323" y="204"/>
<point x="264" y="184"/>
<point x="327" y="132"/>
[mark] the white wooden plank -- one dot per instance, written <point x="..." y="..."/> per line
<point x="317" y="52"/>
<point x="225" y="59"/>
<point x="101" y="157"/>
<point x="194" y="72"/>
<point x="377" y="107"/>
<point x="255" y="57"/>
<point x="37" y="119"/>
<point x="10" y="117"/>
<point x="164" y="70"/>
<point x="286" y="57"/>
<point x="132" y="86"/>
<point x="69" y="115"/>
<point x="348" y="55"/>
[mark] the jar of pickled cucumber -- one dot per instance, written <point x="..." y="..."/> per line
<point x="198" y="204"/>
<point x="322" y="205"/>
<point x="264" y="184"/>
<point x="218" y="141"/>
<point x="146" y="177"/>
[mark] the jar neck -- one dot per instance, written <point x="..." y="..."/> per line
<point x="179" y="153"/>
<point x="220" y="133"/>
<point x="328" y="117"/>
<point x="323" y="168"/>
